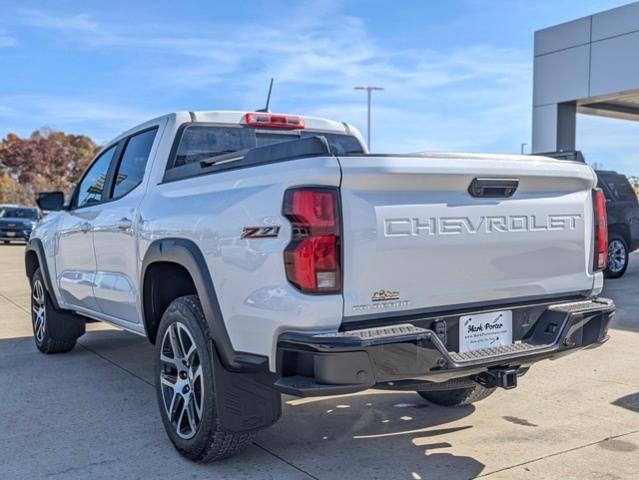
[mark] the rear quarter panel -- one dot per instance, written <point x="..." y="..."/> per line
<point x="256" y="299"/>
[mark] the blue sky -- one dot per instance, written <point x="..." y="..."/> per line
<point x="457" y="74"/>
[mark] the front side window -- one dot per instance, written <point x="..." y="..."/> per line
<point x="133" y="163"/>
<point x="92" y="185"/>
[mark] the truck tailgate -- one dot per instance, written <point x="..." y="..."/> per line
<point x="416" y="239"/>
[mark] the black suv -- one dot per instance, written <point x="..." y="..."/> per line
<point x="622" y="207"/>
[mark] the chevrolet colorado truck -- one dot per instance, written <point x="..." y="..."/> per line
<point x="266" y="254"/>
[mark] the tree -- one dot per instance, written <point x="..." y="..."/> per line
<point x="10" y="190"/>
<point x="46" y="160"/>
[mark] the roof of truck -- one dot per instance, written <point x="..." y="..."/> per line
<point x="237" y="117"/>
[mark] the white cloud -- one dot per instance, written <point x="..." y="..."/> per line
<point x="473" y="98"/>
<point x="102" y="120"/>
<point x="7" y="40"/>
<point x="80" y="23"/>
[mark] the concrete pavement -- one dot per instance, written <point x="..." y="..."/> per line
<point x="92" y="413"/>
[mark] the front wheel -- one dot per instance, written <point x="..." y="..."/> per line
<point x="617" y="256"/>
<point x="54" y="331"/>
<point x="458" y="396"/>
<point x="185" y="388"/>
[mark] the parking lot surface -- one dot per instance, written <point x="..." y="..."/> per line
<point x="92" y="413"/>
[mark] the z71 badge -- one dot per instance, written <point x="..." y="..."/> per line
<point x="260" y="232"/>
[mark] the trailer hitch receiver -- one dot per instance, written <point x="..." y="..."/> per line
<point x="505" y="378"/>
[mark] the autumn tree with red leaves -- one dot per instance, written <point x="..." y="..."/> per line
<point x="46" y="160"/>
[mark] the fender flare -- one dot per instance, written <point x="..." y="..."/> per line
<point x="187" y="254"/>
<point x="35" y="245"/>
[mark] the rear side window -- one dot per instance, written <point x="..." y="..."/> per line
<point x="340" y="144"/>
<point x="133" y="163"/>
<point x="92" y="185"/>
<point x="200" y="143"/>
<point x="620" y="188"/>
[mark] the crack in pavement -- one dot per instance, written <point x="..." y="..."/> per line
<point x="108" y="360"/>
<point x="286" y="461"/>
<point x="8" y="299"/>
<point x="556" y="454"/>
<point x="80" y="467"/>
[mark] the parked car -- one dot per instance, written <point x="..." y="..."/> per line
<point x="17" y="222"/>
<point x="265" y="254"/>
<point x="622" y="207"/>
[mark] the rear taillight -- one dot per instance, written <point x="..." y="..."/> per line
<point x="601" y="230"/>
<point x="274" y="120"/>
<point x="312" y="259"/>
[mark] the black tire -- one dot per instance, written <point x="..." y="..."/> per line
<point x="53" y="331"/>
<point x="457" y="397"/>
<point x="208" y="441"/>
<point x="618" y="256"/>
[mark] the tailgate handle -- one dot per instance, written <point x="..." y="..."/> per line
<point x="493" y="187"/>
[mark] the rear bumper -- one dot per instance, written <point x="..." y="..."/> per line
<point x="351" y="361"/>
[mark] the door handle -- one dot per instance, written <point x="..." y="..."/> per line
<point x="85" y="227"/>
<point x="493" y="187"/>
<point x="124" y="224"/>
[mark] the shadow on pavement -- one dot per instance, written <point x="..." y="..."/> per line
<point x="629" y="402"/>
<point x="373" y="434"/>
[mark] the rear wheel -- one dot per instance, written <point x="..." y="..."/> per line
<point x="185" y="389"/>
<point x="53" y="331"/>
<point x="617" y="256"/>
<point x="458" y="396"/>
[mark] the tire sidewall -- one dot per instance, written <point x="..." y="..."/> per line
<point x="37" y="276"/>
<point x="186" y="310"/>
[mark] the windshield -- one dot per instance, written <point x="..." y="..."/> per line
<point x="13" y="212"/>
<point x="204" y="142"/>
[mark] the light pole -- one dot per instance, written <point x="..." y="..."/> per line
<point x="369" y="89"/>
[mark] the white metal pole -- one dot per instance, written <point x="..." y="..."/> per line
<point x="368" y="136"/>
<point x="369" y="94"/>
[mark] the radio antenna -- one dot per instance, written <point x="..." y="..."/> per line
<point x="268" y="99"/>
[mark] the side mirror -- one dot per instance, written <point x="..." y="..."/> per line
<point x="50" y="201"/>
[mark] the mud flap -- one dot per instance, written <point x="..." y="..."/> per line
<point x="245" y="401"/>
<point x="66" y="325"/>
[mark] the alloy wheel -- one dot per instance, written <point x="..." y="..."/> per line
<point x="617" y="256"/>
<point x="181" y="380"/>
<point x="38" y="305"/>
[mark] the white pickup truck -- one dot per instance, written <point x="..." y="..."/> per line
<point x="266" y="254"/>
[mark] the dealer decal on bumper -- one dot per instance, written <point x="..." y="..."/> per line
<point x="485" y="330"/>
